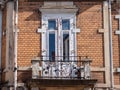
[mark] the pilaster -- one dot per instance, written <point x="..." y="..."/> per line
<point x="105" y="31"/>
<point x="9" y="43"/>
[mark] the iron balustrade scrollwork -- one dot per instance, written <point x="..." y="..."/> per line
<point x="62" y="67"/>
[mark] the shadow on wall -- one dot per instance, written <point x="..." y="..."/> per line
<point x="24" y="76"/>
<point x="36" y="16"/>
<point x="86" y="4"/>
<point x="32" y="7"/>
<point x="115" y="8"/>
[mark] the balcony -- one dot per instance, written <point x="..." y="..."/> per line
<point x="61" y="71"/>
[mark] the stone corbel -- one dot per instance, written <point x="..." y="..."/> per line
<point x="41" y="30"/>
<point x="101" y="30"/>
<point x="35" y="67"/>
<point x="76" y="30"/>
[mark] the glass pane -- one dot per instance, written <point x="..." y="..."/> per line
<point x="66" y="47"/>
<point x="65" y="24"/>
<point x="52" y="47"/>
<point x="51" y="24"/>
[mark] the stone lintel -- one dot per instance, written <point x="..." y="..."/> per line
<point x="58" y="7"/>
<point x="58" y="10"/>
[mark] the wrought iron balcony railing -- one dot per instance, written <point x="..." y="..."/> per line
<point x="61" y="67"/>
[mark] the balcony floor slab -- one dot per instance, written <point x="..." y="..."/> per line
<point x="61" y="82"/>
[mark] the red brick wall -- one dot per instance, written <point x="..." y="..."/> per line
<point x="28" y="38"/>
<point x="89" y="41"/>
<point x="99" y="75"/>
<point x="23" y="76"/>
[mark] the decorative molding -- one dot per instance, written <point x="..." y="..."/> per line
<point x="101" y="85"/>
<point x="17" y="30"/>
<point x="97" y="69"/>
<point x="58" y="7"/>
<point x="105" y="31"/>
<point x="24" y="68"/>
<point x="77" y="30"/>
<point x="118" y="70"/>
<point x="36" y="58"/>
<point x="40" y="30"/>
<point x="92" y="68"/>
<point x="20" y="84"/>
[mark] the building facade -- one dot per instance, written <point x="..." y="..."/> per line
<point x="60" y="45"/>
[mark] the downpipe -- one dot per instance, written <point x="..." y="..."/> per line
<point x="0" y="45"/>
<point x="111" y="50"/>
<point x="15" y="45"/>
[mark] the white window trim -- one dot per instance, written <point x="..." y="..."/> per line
<point x="46" y="17"/>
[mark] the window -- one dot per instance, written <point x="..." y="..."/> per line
<point x="66" y="47"/>
<point x="52" y="47"/>
<point x="58" y="40"/>
<point x="51" y="24"/>
<point x="66" y="24"/>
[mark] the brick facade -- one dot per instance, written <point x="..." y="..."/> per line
<point x="28" y="39"/>
<point x="89" y="41"/>
<point x="116" y="43"/>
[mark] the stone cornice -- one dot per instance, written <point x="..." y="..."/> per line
<point x="58" y="7"/>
